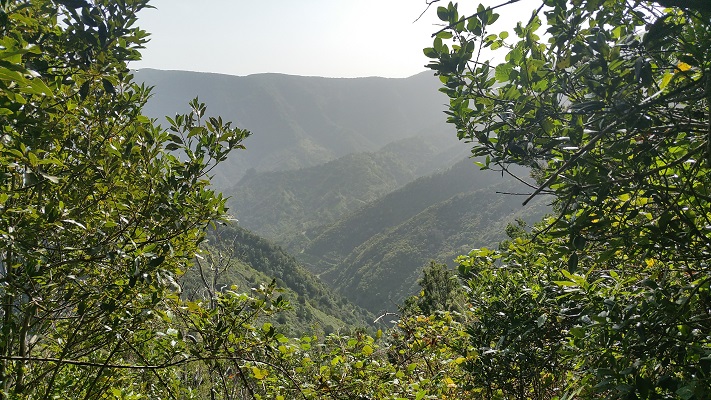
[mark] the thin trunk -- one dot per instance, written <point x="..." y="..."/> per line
<point x="20" y="364"/>
<point x="6" y="336"/>
<point x="100" y="372"/>
<point x="5" y="341"/>
<point x="708" y="117"/>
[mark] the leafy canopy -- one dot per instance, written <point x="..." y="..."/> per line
<point x="608" y="104"/>
<point x="99" y="208"/>
<point x="609" y="109"/>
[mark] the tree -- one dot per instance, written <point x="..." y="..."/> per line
<point x="610" y="110"/>
<point x="611" y="114"/>
<point x="441" y="291"/>
<point x="514" y="322"/>
<point x="99" y="207"/>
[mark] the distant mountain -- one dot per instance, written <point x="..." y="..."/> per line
<point x="341" y="238"/>
<point x="304" y="121"/>
<point x="375" y="255"/>
<point x="291" y="207"/>
<point x="252" y="260"/>
<point x="329" y="173"/>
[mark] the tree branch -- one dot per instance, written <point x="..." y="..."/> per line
<point x="101" y="364"/>
<point x="464" y="19"/>
<point x="696" y="5"/>
<point x="429" y="4"/>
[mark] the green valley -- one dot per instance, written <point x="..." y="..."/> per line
<point x="375" y="256"/>
<point x="291" y="207"/>
<point x="365" y="222"/>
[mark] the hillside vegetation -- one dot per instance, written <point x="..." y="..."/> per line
<point x="342" y="237"/>
<point x="291" y="207"/>
<point x="380" y="272"/>
<point x="352" y="222"/>
<point x="237" y="257"/>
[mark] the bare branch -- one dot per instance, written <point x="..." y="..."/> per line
<point x="429" y="4"/>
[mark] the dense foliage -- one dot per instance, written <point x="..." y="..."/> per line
<point x="99" y="208"/>
<point x="609" y="106"/>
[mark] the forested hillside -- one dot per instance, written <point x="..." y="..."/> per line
<point x="350" y="224"/>
<point x="237" y="257"/>
<point x="304" y="121"/>
<point x="291" y="207"/>
<point x="339" y="239"/>
<point x="383" y="270"/>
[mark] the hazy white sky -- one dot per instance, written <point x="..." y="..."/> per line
<point x="334" y="38"/>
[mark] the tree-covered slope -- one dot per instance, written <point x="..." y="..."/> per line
<point x="304" y="121"/>
<point x="374" y="255"/>
<point x="238" y="257"/>
<point x="289" y="207"/>
<point x="344" y="236"/>
<point x="381" y="272"/>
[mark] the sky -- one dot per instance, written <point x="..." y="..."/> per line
<point x="331" y="38"/>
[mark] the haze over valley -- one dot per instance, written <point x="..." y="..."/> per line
<point x="361" y="179"/>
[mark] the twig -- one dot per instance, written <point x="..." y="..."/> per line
<point x="384" y="315"/>
<point x="588" y="146"/>
<point x="429" y="4"/>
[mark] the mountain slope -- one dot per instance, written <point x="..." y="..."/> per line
<point x="374" y="256"/>
<point x="342" y="237"/>
<point x="304" y="121"/>
<point x="251" y="260"/>
<point x="384" y="270"/>
<point x="289" y="207"/>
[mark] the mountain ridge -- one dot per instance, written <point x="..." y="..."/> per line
<point x="375" y="255"/>
<point x="286" y="205"/>
<point x="423" y="72"/>
<point x="303" y="121"/>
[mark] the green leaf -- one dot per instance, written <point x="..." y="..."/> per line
<point x="565" y="283"/>
<point x="579" y="242"/>
<point x="540" y="321"/>
<point x="50" y="178"/>
<point x="578" y="332"/>
<point x="155" y="262"/>
<point x="108" y="86"/>
<point x="444" y="35"/>
<point x="39" y="87"/>
<point x="73" y="222"/>
<point x="687" y="392"/>
<point x="438" y="45"/>
<point x="259" y="374"/>
<point x="503" y="72"/>
<point x="443" y="14"/>
<point x="430" y="52"/>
